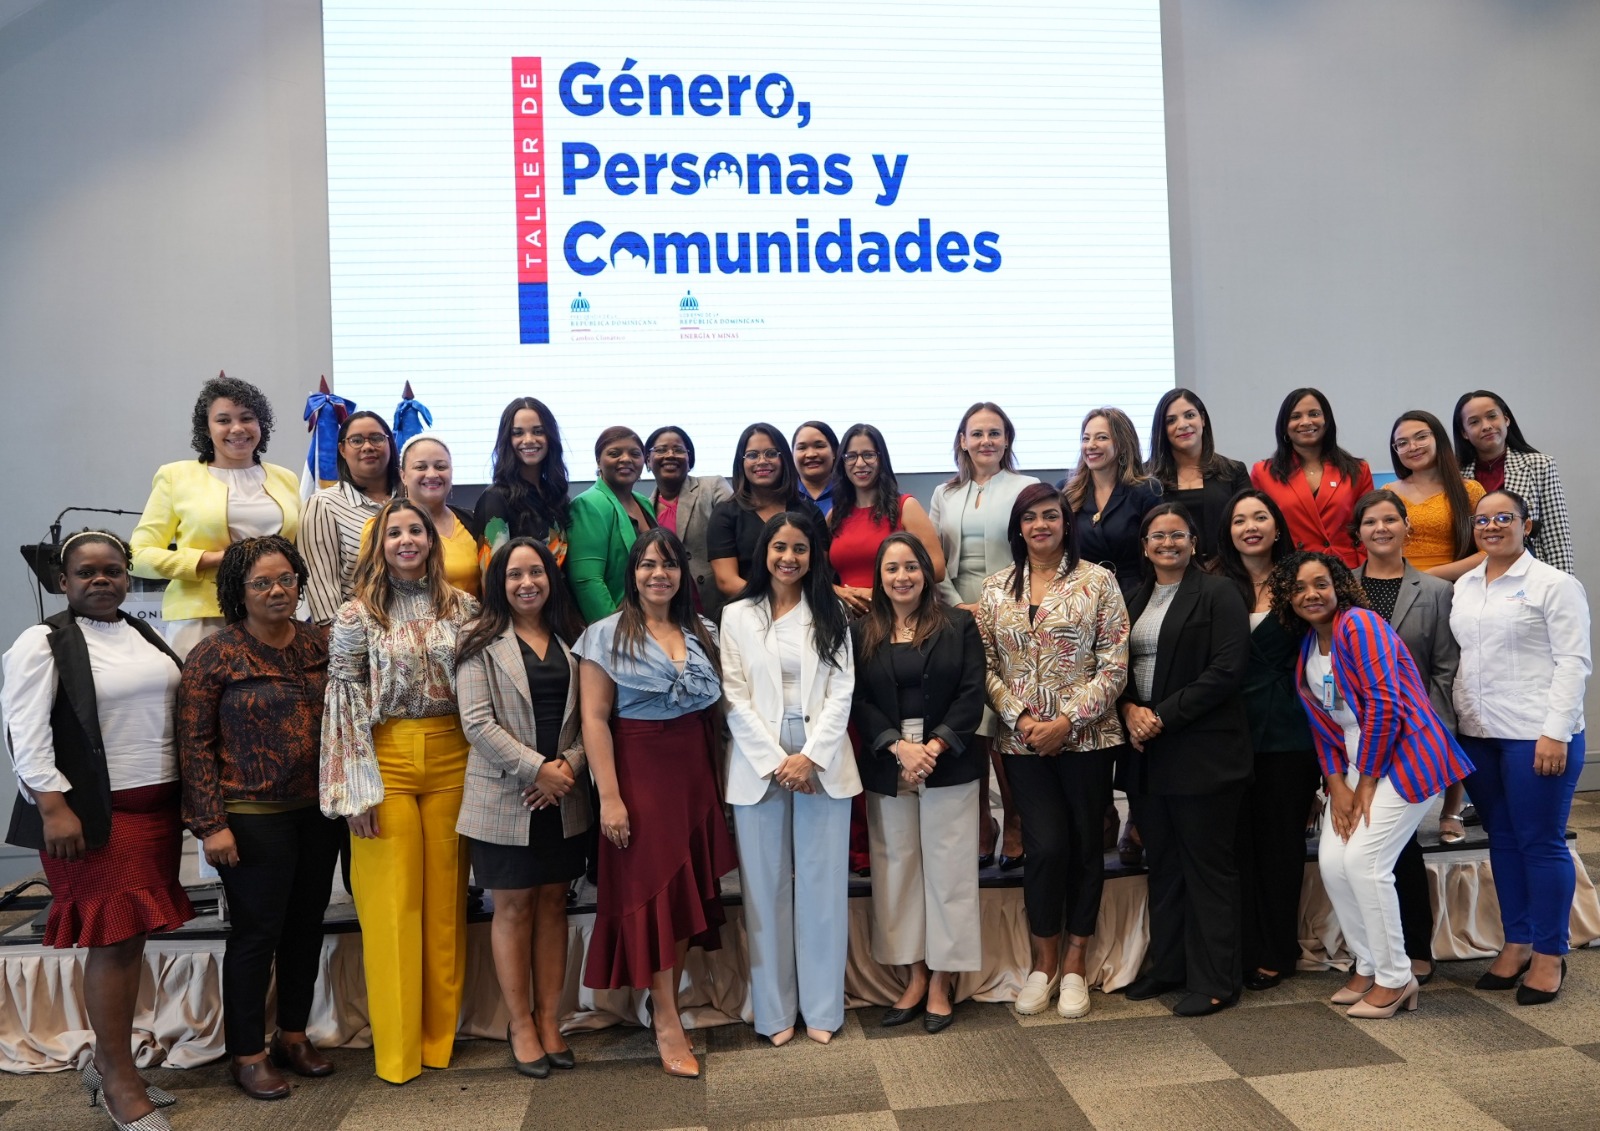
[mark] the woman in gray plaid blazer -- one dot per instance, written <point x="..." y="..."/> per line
<point x="525" y="807"/>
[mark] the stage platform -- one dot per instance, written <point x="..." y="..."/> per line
<point x="179" y="1022"/>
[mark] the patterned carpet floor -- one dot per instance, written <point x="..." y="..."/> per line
<point x="1467" y="1060"/>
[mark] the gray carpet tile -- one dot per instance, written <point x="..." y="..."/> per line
<point x="1543" y="1090"/>
<point x="1054" y="1113"/>
<point x="1301" y="1037"/>
<point x="1210" y="1105"/>
<point x="1396" y="1097"/>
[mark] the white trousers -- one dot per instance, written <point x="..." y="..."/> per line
<point x="1359" y="877"/>
<point x="794" y="865"/>
<point x="924" y="849"/>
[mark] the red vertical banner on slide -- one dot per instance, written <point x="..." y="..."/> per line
<point x="533" y="261"/>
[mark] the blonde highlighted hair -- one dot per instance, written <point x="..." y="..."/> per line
<point x="1130" y="468"/>
<point x="372" y="580"/>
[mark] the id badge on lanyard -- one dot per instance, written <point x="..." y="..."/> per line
<point x="1327" y="692"/>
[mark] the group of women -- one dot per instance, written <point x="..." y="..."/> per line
<point x="802" y="643"/>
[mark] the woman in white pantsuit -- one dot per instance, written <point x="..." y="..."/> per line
<point x="788" y="675"/>
<point x="919" y="699"/>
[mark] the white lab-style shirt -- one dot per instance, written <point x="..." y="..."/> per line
<point x="1524" y="652"/>
<point x="752" y="683"/>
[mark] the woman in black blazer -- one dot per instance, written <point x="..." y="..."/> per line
<point x="1110" y="494"/>
<point x="1188" y="763"/>
<point x="1253" y="538"/>
<point x="919" y="699"/>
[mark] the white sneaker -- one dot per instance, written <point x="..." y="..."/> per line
<point x="1074" y="996"/>
<point x="1036" y="994"/>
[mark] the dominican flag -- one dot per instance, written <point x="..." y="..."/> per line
<point x="324" y="414"/>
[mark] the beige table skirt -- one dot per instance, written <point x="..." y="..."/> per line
<point x="44" y="1026"/>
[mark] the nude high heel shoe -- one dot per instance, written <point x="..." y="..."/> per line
<point x="1408" y="998"/>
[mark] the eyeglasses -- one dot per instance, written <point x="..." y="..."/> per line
<point x="760" y="453"/>
<point x="377" y="441"/>
<point x="669" y="450"/>
<point x="860" y="457"/>
<point x="1176" y="537"/>
<point x="1406" y="443"/>
<point x="264" y="584"/>
<point x="1504" y="518"/>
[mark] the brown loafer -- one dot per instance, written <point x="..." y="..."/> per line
<point x="259" y="1081"/>
<point x="301" y="1058"/>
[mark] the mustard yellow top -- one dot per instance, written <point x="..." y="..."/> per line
<point x="1432" y="541"/>
<point x="460" y="557"/>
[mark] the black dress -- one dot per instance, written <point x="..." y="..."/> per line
<point x="550" y="856"/>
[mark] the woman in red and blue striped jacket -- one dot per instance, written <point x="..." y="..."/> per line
<point x="1384" y="755"/>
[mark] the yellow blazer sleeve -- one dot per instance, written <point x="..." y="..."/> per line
<point x="178" y="503"/>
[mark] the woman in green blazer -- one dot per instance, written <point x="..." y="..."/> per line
<point x="605" y="520"/>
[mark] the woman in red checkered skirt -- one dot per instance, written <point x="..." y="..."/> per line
<point x="88" y="701"/>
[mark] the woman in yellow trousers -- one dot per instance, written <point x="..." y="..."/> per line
<point x="394" y="759"/>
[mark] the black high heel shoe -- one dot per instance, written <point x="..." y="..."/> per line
<point x="1527" y="995"/>
<point x="1499" y="981"/>
<point x="563" y="1060"/>
<point x="1012" y="863"/>
<point x="986" y="859"/>
<point x="538" y="1069"/>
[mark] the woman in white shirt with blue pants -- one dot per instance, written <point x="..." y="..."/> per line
<point x="1523" y="627"/>
<point x="788" y="673"/>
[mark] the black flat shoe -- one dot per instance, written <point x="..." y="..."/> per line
<point x="939" y="1022"/>
<point x="538" y="1069"/>
<point x="900" y="1015"/>
<point x="1260" y="980"/>
<point x="1201" y="1005"/>
<point x="1498" y="982"/>
<point x="1011" y="863"/>
<point x="1527" y="995"/>
<point x="1143" y="989"/>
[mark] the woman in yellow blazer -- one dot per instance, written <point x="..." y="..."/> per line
<point x="605" y="521"/>
<point x="204" y="505"/>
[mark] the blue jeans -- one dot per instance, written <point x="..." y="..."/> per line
<point x="1525" y="815"/>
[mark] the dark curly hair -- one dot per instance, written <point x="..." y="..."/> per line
<point x="237" y="562"/>
<point x="89" y="536"/>
<point x="1345" y="587"/>
<point x="241" y="393"/>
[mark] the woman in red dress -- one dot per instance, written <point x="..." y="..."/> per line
<point x="88" y="703"/>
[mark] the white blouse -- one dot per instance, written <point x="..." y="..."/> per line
<point x="788" y="646"/>
<point x="252" y="513"/>
<point x="1318" y="668"/>
<point x="134" y="686"/>
<point x="1524" y="652"/>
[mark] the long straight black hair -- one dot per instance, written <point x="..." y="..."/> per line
<point x="886" y="491"/>
<point x="549" y="495"/>
<point x="1465" y="452"/>
<point x="830" y="630"/>
<point x="560" y="613"/>
<point x="1455" y="488"/>
<point x="1282" y="461"/>
<point x="1229" y="561"/>
<point x="931" y="614"/>
<point x="631" y="631"/>
<point x="1163" y="464"/>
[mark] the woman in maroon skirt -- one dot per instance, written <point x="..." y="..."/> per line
<point x="648" y="685"/>
<point x="88" y="706"/>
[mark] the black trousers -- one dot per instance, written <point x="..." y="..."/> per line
<point x="1416" y="904"/>
<point x="276" y="899"/>
<point x="1062" y="802"/>
<point x="1189" y="844"/>
<point x="1272" y="857"/>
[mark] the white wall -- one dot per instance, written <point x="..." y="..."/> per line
<point x="1392" y="201"/>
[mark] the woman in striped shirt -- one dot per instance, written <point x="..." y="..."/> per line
<point x="333" y="518"/>
<point x="1384" y="756"/>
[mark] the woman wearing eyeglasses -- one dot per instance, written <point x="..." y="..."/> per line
<point x="334" y="518"/>
<point x="867" y="508"/>
<point x="684" y="503"/>
<point x="1523" y="627"/>
<point x="1438" y="501"/>
<point x="249" y="736"/>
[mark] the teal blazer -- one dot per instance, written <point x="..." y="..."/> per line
<point x="598" y="542"/>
